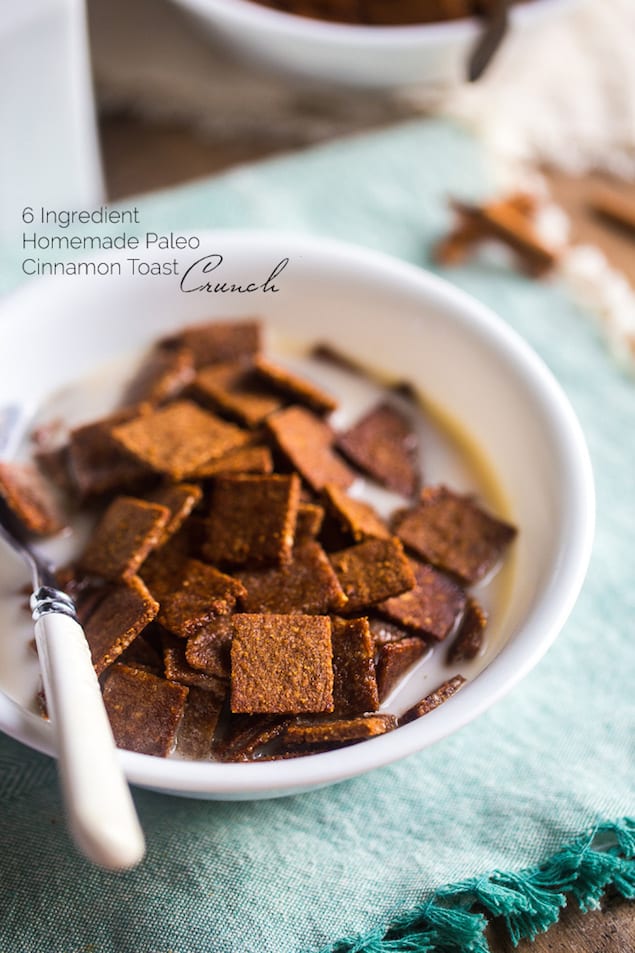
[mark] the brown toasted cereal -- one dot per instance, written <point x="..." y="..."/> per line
<point x="162" y="376"/>
<point x="252" y="519"/>
<point x="434" y="699"/>
<point x="354" y="681"/>
<point x="123" y="537"/>
<point x="180" y="499"/>
<point x="54" y="464"/>
<point x="219" y="341"/>
<point x="97" y="464"/>
<point x="384" y="445"/>
<point x="309" y="522"/>
<point x="281" y="664"/>
<point x="198" y="724"/>
<point x="294" y="387"/>
<point x="30" y="498"/>
<point x="117" y="620"/>
<point x="383" y="631"/>
<point x="246" y="735"/>
<point x="356" y="518"/>
<point x="178" y="438"/>
<point x="208" y="649"/>
<point x="431" y="608"/>
<point x="452" y="532"/>
<point x="165" y="566"/>
<point x="307" y="584"/>
<point x="394" y="659"/>
<point x="470" y="637"/>
<point x="144" y="710"/>
<point x="145" y="652"/>
<point x="201" y="593"/>
<point x="334" y="732"/>
<point x="233" y="389"/>
<point x="372" y="571"/>
<point x="306" y="441"/>
<point x="250" y="459"/>
<point x="177" y="668"/>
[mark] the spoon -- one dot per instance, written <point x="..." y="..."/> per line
<point x="489" y="41"/>
<point x="100" y="811"/>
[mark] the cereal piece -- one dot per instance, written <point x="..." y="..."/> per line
<point x="198" y="724"/>
<point x="333" y="733"/>
<point x="246" y="735"/>
<point x="199" y="594"/>
<point x="143" y="653"/>
<point x="254" y="459"/>
<point x="97" y="463"/>
<point x="218" y="341"/>
<point x="307" y="442"/>
<point x="307" y="584"/>
<point x="354" y="681"/>
<point x="470" y="637"/>
<point x="54" y="464"/>
<point x="165" y="565"/>
<point x="455" y="534"/>
<point x="383" y="631"/>
<point x="394" y="660"/>
<point x="372" y="571"/>
<point x="281" y="664"/>
<point x="177" y="669"/>
<point x="232" y="389"/>
<point x="124" y="536"/>
<point x="384" y="446"/>
<point x="252" y="519"/>
<point x="144" y="710"/>
<point x="309" y="522"/>
<point x="297" y="388"/>
<point x="208" y="650"/>
<point x="434" y="699"/>
<point x="30" y="498"/>
<point x="431" y="608"/>
<point x="116" y="621"/>
<point x="180" y="500"/>
<point x="178" y="438"/>
<point x="163" y="375"/>
<point x="355" y="517"/>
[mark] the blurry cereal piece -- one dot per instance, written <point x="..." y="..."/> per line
<point x="97" y="463"/>
<point x="434" y="699"/>
<point x="117" y="620"/>
<point x="177" y="669"/>
<point x="307" y="441"/>
<point x="198" y="724"/>
<point x="252" y="519"/>
<point x="233" y="389"/>
<point x="453" y="533"/>
<point x="431" y="608"/>
<point x="383" y="631"/>
<point x="208" y="649"/>
<point x="354" y="681"/>
<point x="247" y="734"/>
<point x="219" y="341"/>
<point x="384" y="446"/>
<point x="295" y="387"/>
<point x="334" y="732"/>
<point x="394" y="659"/>
<point x="251" y="459"/>
<point x="180" y="499"/>
<point x="612" y="204"/>
<point x="281" y="664"/>
<point x="164" y="373"/>
<point x="178" y="438"/>
<point x="330" y="355"/>
<point x="123" y="537"/>
<point x="309" y="522"/>
<point x="355" y="517"/>
<point x="470" y="637"/>
<point x="54" y="464"/>
<point x="307" y="584"/>
<point x="372" y="571"/>
<point x="200" y="593"/>
<point x="144" y="710"/>
<point x="30" y="498"/>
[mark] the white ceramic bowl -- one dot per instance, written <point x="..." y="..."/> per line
<point x="428" y="54"/>
<point x="393" y="317"/>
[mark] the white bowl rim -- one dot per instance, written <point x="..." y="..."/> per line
<point x="516" y="659"/>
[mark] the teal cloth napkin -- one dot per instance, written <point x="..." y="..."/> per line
<point x="506" y="792"/>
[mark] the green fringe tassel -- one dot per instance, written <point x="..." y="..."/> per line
<point x="528" y="901"/>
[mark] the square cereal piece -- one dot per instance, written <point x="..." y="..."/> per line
<point x="208" y="649"/>
<point x="97" y="463"/>
<point x="123" y="537"/>
<point x="232" y="389"/>
<point x="309" y="522"/>
<point x="307" y="441"/>
<point x="251" y="459"/>
<point x="180" y="499"/>
<point x="395" y="658"/>
<point x="164" y="567"/>
<point x="281" y="664"/>
<point x="30" y="498"/>
<point x="307" y="584"/>
<point x="217" y="341"/>
<point x="384" y="445"/>
<point x="434" y="699"/>
<point x="372" y="571"/>
<point x="198" y="724"/>
<point x="383" y="631"/>
<point x="162" y="376"/>
<point x="431" y="608"/>
<point x="177" y="669"/>
<point x="246" y="735"/>
<point x="178" y="438"/>
<point x="356" y="518"/>
<point x="335" y="732"/>
<point x="354" y="681"/>
<point x="200" y="593"/>
<point x="471" y="635"/>
<point x="144" y="710"/>
<point x="455" y="534"/>
<point x="294" y="387"/>
<point x="117" y="620"/>
<point x="252" y="519"/>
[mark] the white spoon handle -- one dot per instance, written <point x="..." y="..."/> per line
<point x="101" y="813"/>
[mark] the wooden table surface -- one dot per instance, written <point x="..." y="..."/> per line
<point x="140" y="156"/>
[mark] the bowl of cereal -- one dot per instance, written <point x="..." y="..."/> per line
<point x="324" y="509"/>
